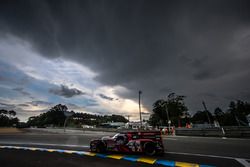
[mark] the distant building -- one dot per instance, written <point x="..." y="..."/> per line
<point x="136" y="125"/>
<point x="87" y="127"/>
<point x="112" y="125"/>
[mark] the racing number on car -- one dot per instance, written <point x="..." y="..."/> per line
<point x="131" y="146"/>
<point x="111" y="144"/>
<point x="135" y="146"/>
<point x="138" y="146"/>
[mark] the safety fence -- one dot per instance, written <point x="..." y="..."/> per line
<point x="231" y="131"/>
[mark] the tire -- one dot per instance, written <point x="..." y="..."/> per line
<point x="149" y="148"/>
<point x="91" y="149"/>
<point x="100" y="148"/>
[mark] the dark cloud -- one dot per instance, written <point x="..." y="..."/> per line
<point x="164" y="90"/>
<point x="86" y="103"/>
<point x="9" y="76"/>
<point x="5" y="105"/>
<point x="2" y="78"/>
<point x="65" y="91"/>
<point x="39" y="102"/>
<point x="91" y="103"/>
<point x="106" y="97"/>
<point x="23" y="105"/>
<point x="200" y="75"/>
<point x="18" y="89"/>
<point x="184" y="46"/>
<point x="22" y="91"/>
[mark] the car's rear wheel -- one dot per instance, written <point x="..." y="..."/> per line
<point x="91" y="148"/>
<point x="100" y="148"/>
<point x="149" y="148"/>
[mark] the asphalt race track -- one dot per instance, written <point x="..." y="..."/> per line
<point x="186" y="151"/>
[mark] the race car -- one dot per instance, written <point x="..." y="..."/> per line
<point x="147" y="142"/>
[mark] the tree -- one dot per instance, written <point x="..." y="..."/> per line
<point x="7" y="118"/>
<point x="55" y="116"/>
<point x="219" y="115"/>
<point x="4" y="120"/>
<point x="200" y="117"/>
<point x="239" y="110"/>
<point x="3" y="112"/>
<point x="218" y="112"/>
<point x="235" y="115"/>
<point x="173" y="108"/>
<point x="12" y="113"/>
<point x="154" y="120"/>
<point x="159" y="112"/>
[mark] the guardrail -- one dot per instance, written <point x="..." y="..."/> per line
<point x="215" y="132"/>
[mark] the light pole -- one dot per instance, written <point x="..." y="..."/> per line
<point x="140" y="92"/>
<point x="169" y="122"/>
<point x="205" y="107"/>
<point x="128" y="117"/>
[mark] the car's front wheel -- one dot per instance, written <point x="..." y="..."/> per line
<point x="149" y="148"/>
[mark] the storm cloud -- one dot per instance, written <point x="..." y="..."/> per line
<point x="22" y="91"/>
<point x="39" y="102"/>
<point x="192" y="47"/>
<point x="65" y="91"/>
<point x="106" y="97"/>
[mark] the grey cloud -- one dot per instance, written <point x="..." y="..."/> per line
<point x="2" y="78"/>
<point x="76" y="108"/>
<point x="141" y="45"/>
<point x="22" y="91"/>
<point x="106" y="97"/>
<point x="18" y="89"/>
<point x="91" y="103"/>
<point x="164" y="90"/>
<point x="86" y="103"/>
<point x="23" y="105"/>
<point x="73" y="105"/>
<point x="39" y="102"/>
<point x="212" y="95"/>
<point x="5" y="105"/>
<point x="200" y="75"/>
<point x="65" y="91"/>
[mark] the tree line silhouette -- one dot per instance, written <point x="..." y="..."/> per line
<point x="174" y="109"/>
<point x="56" y="117"/>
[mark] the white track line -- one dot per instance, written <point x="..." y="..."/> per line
<point x="240" y="160"/>
<point x="46" y="144"/>
<point x="204" y="155"/>
<point x="243" y="162"/>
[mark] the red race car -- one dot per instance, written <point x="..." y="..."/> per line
<point x="148" y="142"/>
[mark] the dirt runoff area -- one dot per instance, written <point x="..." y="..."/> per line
<point x="10" y="130"/>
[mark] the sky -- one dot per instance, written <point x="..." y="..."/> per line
<point x="94" y="56"/>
